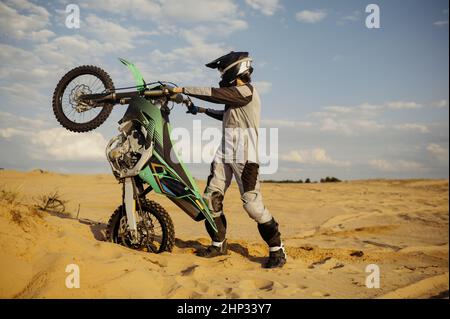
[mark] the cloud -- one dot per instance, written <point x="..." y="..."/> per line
<point x="366" y="118"/>
<point x="291" y="169"/>
<point x="441" y="23"/>
<point x="47" y="143"/>
<point x="24" y="20"/>
<point x="267" y="7"/>
<point x="381" y="165"/>
<point x="23" y="94"/>
<point x="200" y="10"/>
<point x="412" y="127"/>
<point x="68" y="50"/>
<point x="198" y="51"/>
<point x="18" y="64"/>
<point x="352" y="17"/>
<point x="200" y="24"/>
<point x="338" y="109"/>
<point x="170" y="11"/>
<point x="311" y="156"/>
<point x="9" y="132"/>
<point x="204" y="39"/>
<point x="364" y="110"/>
<point x="139" y="8"/>
<point x="441" y="104"/>
<point x="310" y="16"/>
<point x="397" y="105"/>
<point x="396" y="166"/>
<point x="19" y="122"/>
<point x="438" y="151"/>
<point x="60" y="144"/>
<point x="203" y="45"/>
<point x="102" y="30"/>
<point x="263" y="86"/>
<point x="349" y="120"/>
<point x="333" y="125"/>
<point x="286" y="123"/>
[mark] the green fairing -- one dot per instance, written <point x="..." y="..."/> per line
<point x="184" y="167"/>
<point x="147" y="176"/>
<point x="196" y="193"/>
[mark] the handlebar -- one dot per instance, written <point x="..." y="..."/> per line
<point x="124" y="97"/>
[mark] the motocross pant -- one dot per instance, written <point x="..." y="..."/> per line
<point x="247" y="178"/>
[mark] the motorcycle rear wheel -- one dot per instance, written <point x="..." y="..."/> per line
<point x="75" y="82"/>
<point x="153" y="242"/>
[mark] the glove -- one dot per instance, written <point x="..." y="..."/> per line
<point x="192" y="108"/>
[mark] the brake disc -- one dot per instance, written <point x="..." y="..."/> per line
<point x="145" y="233"/>
<point x="74" y="98"/>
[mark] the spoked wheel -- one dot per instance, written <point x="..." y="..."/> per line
<point x="155" y="229"/>
<point x="74" y="114"/>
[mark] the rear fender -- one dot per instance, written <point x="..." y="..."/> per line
<point x="139" y="79"/>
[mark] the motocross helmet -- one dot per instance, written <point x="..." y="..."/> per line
<point x="231" y="66"/>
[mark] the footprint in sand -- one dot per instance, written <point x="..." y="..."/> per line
<point x="337" y="266"/>
<point x="320" y="294"/>
<point x="261" y="284"/>
<point x="318" y="263"/>
<point x="189" y="270"/>
<point x="161" y="262"/>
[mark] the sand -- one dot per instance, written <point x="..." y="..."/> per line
<point x="331" y="232"/>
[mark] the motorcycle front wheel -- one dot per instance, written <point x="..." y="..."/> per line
<point x="155" y="228"/>
<point x="71" y="112"/>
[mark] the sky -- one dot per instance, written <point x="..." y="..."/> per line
<point x="347" y="101"/>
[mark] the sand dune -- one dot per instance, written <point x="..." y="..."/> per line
<point x="331" y="231"/>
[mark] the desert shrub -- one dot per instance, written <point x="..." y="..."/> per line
<point x="34" y="211"/>
<point x="52" y="203"/>
<point x="11" y="196"/>
<point x="16" y="216"/>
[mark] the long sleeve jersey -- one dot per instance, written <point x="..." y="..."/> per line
<point x="242" y="110"/>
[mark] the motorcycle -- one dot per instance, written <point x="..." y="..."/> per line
<point x="141" y="156"/>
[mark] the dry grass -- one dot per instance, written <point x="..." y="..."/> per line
<point x="20" y="212"/>
<point x="11" y="196"/>
<point x="34" y="211"/>
<point x="51" y="203"/>
<point x="16" y="216"/>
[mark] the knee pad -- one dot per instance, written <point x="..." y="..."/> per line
<point x="269" y="232"/>
<point x="255" y="208"/>
<point x="221" y="223"/>
<point x="214" y="200"/>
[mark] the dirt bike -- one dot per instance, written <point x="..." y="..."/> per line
<point x="141" y="157"/>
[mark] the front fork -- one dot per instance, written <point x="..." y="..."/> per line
<point x="129" y="200"/>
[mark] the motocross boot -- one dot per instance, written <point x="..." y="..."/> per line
<point x="277" y="258"/>
<point x="214" y="250"/>
<point x="277" y="255"/>
<point x="219" y="243"/>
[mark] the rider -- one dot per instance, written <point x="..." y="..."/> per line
<point x="242" y="111"/>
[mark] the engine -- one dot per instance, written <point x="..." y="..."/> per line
<point x="128" y="152"/>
